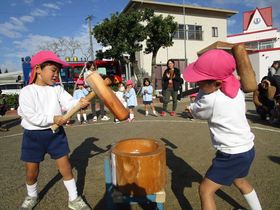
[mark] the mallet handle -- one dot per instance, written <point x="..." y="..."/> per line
<point x="73" y="111"/>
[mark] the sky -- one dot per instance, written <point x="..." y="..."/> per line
<point x="26" y="24"/>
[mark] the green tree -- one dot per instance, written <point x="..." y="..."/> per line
<point x="159" y="31"/>
<point x="124" y="33"/>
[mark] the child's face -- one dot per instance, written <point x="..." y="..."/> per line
<point x="192" y="98"/>
<point x="80" y="86"/>
<point x="209" y="86"/>
<point x="48" y="75"/>
<point x="121" y="88"/>
<point x="147" y="83"/>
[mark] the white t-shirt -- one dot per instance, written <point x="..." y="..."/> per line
<point x="229" y="128"/>
<point x="39" y="104"/>
<point x="120" y="96"/>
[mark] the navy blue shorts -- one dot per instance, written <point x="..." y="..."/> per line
<point x="147" y="102"/>
<point x="131" y="107"/>
<point x="36" y="143"/>
<point x="226" y="168"/>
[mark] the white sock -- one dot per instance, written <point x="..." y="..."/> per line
<point x="147" y="112"/>
<point x="79" y="117"/>
<point x="85" y="117"/>
<point x="32" y="190"/>
<point x="131" y="116"/>
<point x="71" y="188"/>
<point x="252" y="200"/>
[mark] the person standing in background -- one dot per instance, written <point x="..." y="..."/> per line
<point x="171" y="81"/>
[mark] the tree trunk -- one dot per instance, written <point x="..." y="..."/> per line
<point x="154" y="57"/>
<point x="136" y="70"/>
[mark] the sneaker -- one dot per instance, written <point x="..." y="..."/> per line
<point x="78" y="204"/>
<point x="85" y="122"/>
<point x="117" y="121"/>
<point x="105" y="118"/>
<point x="163" y="114"/>
<point x="155" y="113"/>
<point x="94" y="119"/>
<point x="146" y="113"/>
<point x="172" y="113"/>
<point x="29" y="203"/>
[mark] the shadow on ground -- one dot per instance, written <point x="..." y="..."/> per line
<point x="79" y="161"/>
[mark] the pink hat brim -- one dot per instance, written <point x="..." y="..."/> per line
<point x="192" y="75"/>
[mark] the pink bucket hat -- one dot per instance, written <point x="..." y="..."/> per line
<point x="214" y="65"/>
<point x="42" y="57"/>
<point x="129" y="82"/>
<point x="80" y="82"/>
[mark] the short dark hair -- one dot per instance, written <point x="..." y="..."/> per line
<point x="144" y="81"/>
<point x="89" y="64"/>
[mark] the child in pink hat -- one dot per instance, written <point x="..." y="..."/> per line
<point x="40" y="106"/>
<point x="131" y="99"/>
<point x="79" y="93"/>
<point x="221" y="102"/>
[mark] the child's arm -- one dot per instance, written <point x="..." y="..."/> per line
<point x="27" y="110"/>
<point x="65" y="99"/>
<point x="256" y="98"/>
<point x="150" y="90"/>
<point x="203" y="107"/>
<point x="85" y="91"/>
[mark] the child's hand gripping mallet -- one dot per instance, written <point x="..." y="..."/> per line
<point x="106" y="94"/>
<point x="77" y="107"/>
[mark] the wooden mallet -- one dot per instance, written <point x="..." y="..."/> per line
<point x="107" y="95"/>
<point x="77" y="107"/>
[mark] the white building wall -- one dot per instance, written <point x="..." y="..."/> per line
<point x="192" y="46"/>
<point x="261" y="61"/>
<point x="253" y="36"/>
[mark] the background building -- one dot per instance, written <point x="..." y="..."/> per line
<point x="259" y="34"/>
<point x="202" y="26"/>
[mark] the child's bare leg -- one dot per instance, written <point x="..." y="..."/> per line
<point x="146" y="108"/>
<point x="243" y="185"/>
<point x="131" y="113"/>
<point x="153" y="107"/>
<point x="207" y="191"/>
<point x="248" y="192"/>
<point x="64" y="167"/>
<point x="32" y="172"/>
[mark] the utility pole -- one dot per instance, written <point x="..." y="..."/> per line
<point x="90" y="37"/>
<point x="184" y="16"/>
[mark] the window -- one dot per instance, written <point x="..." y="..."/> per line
<point x="194" y="32"/>
<point x="260" y="45"/>
<point x="266" y="45"/>
<point x="179" y="34"/>
<point x="214" y="31"/>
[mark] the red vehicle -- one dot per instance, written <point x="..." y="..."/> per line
<point x="106" y="67"/>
